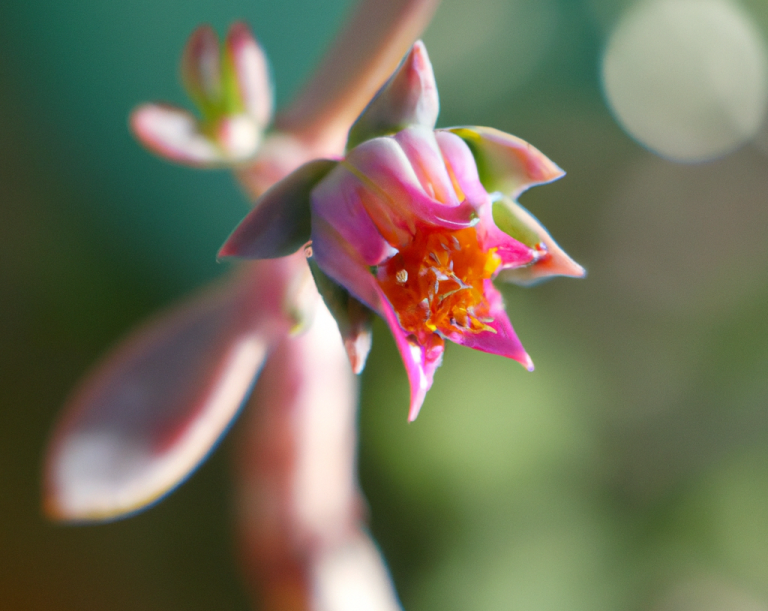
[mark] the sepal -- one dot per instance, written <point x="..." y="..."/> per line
<point x="281" y="221"/>
<point x="353" y="318"/>
<point x="506" y="163"/>
<point x="550" y="260"/>
<point x="408" y="98"/>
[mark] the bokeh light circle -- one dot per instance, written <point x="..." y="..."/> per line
<point x="687" y="78"/>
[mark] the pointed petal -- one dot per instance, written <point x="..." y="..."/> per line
<point x="201" y="70"/>
<point x="280" y="222"/>
<point x="512" y="252"/>
<point x="408" y="98"/>
<point x="461" y="165"/>
<point x="387" y="174"/>
<point x="420" y="361"/>
<point x="248" y="69"/>
<point x="420" y="147"/>
<point x="503" y="339"/>
<point x="154" y="408"/>
<point x="506" y="163"/>
<point x="336" y="257"/>
<point x="173" y="133"/>
<point x="352" y="317"/>
<point x="551" y="260"/>
<point x="342" y="202"/>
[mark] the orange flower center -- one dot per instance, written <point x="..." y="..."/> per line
<point x="435" y="284"/>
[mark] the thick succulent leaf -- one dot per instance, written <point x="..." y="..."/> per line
<point x="551" y="260"/>
<point x="352" y="317"/>
<point x="408" y="98"/>
<point x="201" y="70"/>
<point x="156" y="405"/>
<point x="280" y="222"/>
<point x="502" y="340"/>
<point x="173" y="133"/>
<point x="246" y="74"/>
<point x="506" y="163"/>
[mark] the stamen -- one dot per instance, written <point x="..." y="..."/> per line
<point x="435" y="284"/>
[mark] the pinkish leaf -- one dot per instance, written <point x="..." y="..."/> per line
<point x="280" y="222"/>
<point x="408" y="98"/>
<point x="246" y="62"/>
<point x="506" y="163"/>
<point x="173" y="133"/>
<point x="154" y="408"/>
<point x="201" y="70"/>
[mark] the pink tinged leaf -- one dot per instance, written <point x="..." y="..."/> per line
<point x="201" y="70"/>
<point x="154" y="408"/>
<point x="248" y="65"/>
<point x="366" y="53"/>
<point x="550" y="260"/>
<point x="503" y="339"/>
<point x="174" y="134"/>
<point x="420" y="361"/>
<point x="506" y="163"/>
<point x="420" y="147"/>
<point x="408" y="98"/>
<point x="280" y="222"/>
<point x="388" y="176"/>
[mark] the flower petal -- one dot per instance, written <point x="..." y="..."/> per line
<point x="420" y="361"/>
<point x="503" y="339"/>
<point x="462" y="168"/>
<point x="342" y="201"/>
<point x="409" y="97"/>
<point x="201" y="70"/>
<point x="152" y="410"/>
<point x="385" y="171"/>
<point x="506" y="163"/>
<point x="173" y="133"/>
<point x="244" y="59"/>
<point x="551" y="260"/>
<point x="280" y="222"/>
<point x="512" y="252"/>
<point x="339" y="260"/>
<point x="421" y="149"/>
<point x="352" y="317"/>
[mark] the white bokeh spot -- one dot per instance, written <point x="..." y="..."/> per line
<point x="687" y="78"/>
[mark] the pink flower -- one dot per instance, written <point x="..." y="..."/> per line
<point x="414" y="224"/>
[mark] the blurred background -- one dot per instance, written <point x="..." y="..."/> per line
<point x="628" y="472"/>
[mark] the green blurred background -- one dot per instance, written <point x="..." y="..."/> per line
<point x="629" y="472"/>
